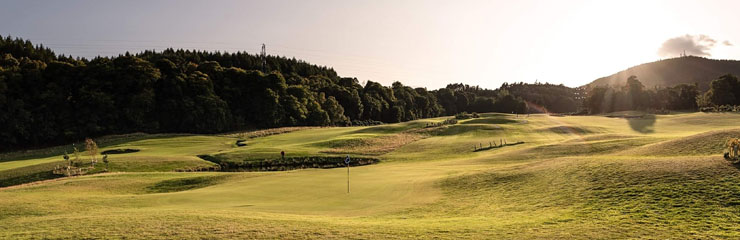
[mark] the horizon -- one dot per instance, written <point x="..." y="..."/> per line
<point x="421" y="44"/>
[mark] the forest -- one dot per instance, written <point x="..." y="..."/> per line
<point x="46" y="99"/>
<point x="723" y="95"/>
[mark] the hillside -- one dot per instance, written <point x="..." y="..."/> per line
<point x="674" y="71"/>
<point x="574" y="177"/>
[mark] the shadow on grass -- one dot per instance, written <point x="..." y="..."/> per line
<point x="644" y="124"/>
<point x="494" y="146"/>
<point x="103" y="142"/>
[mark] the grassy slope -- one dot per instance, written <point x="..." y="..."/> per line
<point x="575" y="177"/>
<point x="158" y="153"/>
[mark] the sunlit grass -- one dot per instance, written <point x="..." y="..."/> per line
<point x="580" y="177"/>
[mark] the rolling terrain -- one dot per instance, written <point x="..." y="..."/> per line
<point x="571" y="177"/>
<point x="674" y="71"/>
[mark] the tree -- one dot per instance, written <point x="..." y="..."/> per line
<point x="105" y="160"/>
<point x="335" y="112"/>
<point x="722" y="91"/>
<point x="595" y="100"/>
<point x="92" y="149"/>
<point x="634" y="90"/>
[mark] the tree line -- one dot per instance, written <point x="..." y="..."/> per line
<point x="47" y="99"/>
<point x="723" y="93"/>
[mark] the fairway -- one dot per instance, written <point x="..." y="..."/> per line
<point x="572" y="177"/>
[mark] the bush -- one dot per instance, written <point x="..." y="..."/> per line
<point x="289" y="163"/>
<point x="466" y="115"/>
<point x="726" y="108"/>
<point x="449" y="121"/>
<point x="463" y="115"/>
<point x="365" y="123"/>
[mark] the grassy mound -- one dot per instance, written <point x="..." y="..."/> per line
<point x="578" y="148"/>
<point x="600" y="137"/>
<point x="489" y="121"/>
<point x="43" y="171"/>
<point x="556" y="186"/>
<point x="184" y="184"/>
<point x="265" y="132"/>
<point x="120" y="151"/>
<point x="462" y="129"/>
<point x="370" y="146"/>
<point x="708" y="143"/>
<point x="27" y="174"/>
<point x="102" y="142"/>
<point x="563" y="129"/>
<point x="601" y="198"/>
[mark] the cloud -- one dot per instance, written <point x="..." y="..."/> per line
<point x="696" y="45"/>
<point x="727" y="43"/>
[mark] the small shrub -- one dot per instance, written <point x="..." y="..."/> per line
<point x="463" y="115"/>
<point x="365" y="123"/>
<point x="449" y="121"/>
<point x="92" y="149"/>
<point x="726" y="108"/>
<point x="287" y="164"/>
<point x="466" y="115"/>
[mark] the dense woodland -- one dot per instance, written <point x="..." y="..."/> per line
<point x="47" y="98"/>
<point x="723" y="95"/>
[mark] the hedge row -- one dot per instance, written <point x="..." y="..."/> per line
<point x="289" y="163"/>
<point x="723" y="108"/>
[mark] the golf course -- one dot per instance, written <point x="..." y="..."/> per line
<point x="622" y="175"/>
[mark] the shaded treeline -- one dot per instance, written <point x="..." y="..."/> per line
<point x="46" y="99"/>
<point x="723" y="92"/>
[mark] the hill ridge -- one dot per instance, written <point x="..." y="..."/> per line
<point x="673" y="71"/>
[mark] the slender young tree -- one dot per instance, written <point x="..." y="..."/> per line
<point x="92" y="150"/>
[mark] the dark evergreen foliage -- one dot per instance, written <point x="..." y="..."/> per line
<point x="48" y="99"/>
<point x="634" y="96"/>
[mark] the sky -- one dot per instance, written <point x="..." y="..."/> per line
<point x="419" y="43"/>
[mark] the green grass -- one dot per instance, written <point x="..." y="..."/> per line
<point x="184" y="184"/>
<point x="576" y="177"/>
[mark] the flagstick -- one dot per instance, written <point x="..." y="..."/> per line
<point x="347" y="178"/>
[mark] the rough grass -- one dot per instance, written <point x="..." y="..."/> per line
<point x="568" y="130"/>
<point x="370" y="146"/>
<point x="579" y="148"/>
<point x="184" y="184"/>
<point x="265" y="132"/>
<point x="59" y="150"/>
<point x="618" y="181"/>
<point x="489" y="121"/>
<point x="708" y="143"/>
